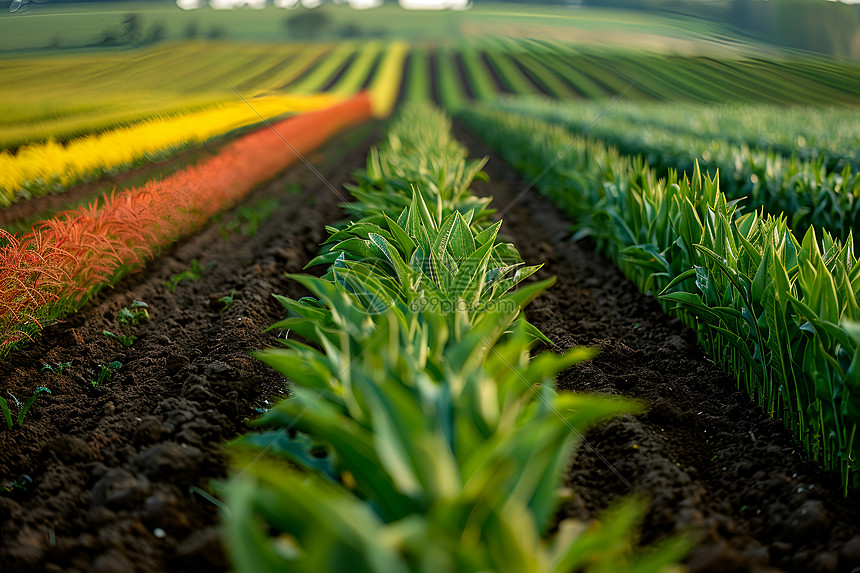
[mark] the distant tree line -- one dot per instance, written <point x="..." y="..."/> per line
<point x="817" y="25"/>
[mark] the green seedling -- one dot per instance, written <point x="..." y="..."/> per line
<point x="126" y="340"/>
<point x="293" y="189"/>
<point x="227" y="300"/>
<point x="133" y="314"/>
<point x="193" y="274"/>
<point x="211" y="499"/>
<point x="248" y="218"/>
<point x="55" y="368"/>
<point x="7" y="413"/>
<point x="22" y="484"/>
<point x="105" y="374"/>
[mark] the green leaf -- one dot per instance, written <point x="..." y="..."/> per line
<point x="400" y="239"/>
<point x="4" y="405"/>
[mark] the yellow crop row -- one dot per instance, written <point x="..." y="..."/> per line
<point x="386" y="85"/>
<point x="48" y="167"/>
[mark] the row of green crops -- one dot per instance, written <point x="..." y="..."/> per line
<point x="684" y="129"/>
<point x="778" y="313"/>
<point x="808" y="171"/>
<point x="701" y="78"/>
<point x="564" y="71"/>
<point x="157" y="82"/>
<point x="420" y="435"/>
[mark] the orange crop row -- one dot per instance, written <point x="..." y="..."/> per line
<point x="58" y="266"/>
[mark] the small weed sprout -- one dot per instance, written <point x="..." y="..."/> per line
<point x="105" y="374"/>
<point x="128" y="317"/>
<point x="7" y="413"/>
<point x="22" y="484"/>
<point x="192" y="274"/>
<point x="227" y="300"/>
<point x="125" y="339"/>
<point x="55" y="368"/>
<point x="133" y="314"/>
<point x="248" y="218"/>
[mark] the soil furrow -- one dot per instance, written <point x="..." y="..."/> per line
<point x="111" y="467"/>
<point x="706" y="457"/>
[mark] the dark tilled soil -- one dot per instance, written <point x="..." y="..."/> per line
<point x="107" y="471"/>
<point x="705" y="456"/>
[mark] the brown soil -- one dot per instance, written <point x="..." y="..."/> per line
<point x="465" y="81"/>
<point x="111" y="467"/>
<point x="705" y="456"/>
<point x="501" y="85"/>
<point x="433" y="72"/>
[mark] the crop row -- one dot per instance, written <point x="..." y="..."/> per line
<point x="59" y="265"/>
<point x="805" y="132"/>
<point x="426" y="439"/>
<point x="779" y="313"/>
<point x="43" y="168"/>
<point x="651" y="75"/>
<point x="480" y="69"/>
<point x="764" y="169"/>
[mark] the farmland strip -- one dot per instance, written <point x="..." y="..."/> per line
<point x="323" y="70"/>
<point x="418" y="85"/>
<point x="188" y="375"/>
<point x="359" y="69"/>
<point x="82" y="251"/>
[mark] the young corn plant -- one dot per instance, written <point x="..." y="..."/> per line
<point x="430" y="448"/>
<point x="415" y="262"/>
<point x="419" y="151"/>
